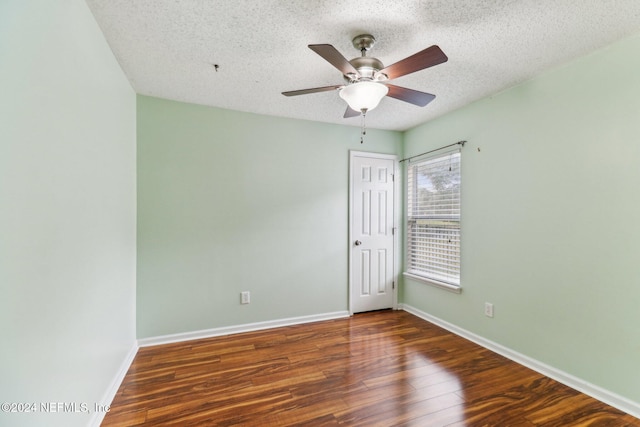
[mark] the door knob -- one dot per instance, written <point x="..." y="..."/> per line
<point x="358" y="242"/>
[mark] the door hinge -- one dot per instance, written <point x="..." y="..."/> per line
<point x="393" y="285"/>
<point x="393" y="177"/>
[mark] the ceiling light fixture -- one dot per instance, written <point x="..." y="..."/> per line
<point x="363" y="96"/>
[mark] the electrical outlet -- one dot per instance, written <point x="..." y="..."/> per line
<point x="488" y="309"/>
<point x="245" y="297"/>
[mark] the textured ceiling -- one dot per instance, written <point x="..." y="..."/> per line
<point x="167" y="48"/>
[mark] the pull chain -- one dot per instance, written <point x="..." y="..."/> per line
<point x="363" y="126"/>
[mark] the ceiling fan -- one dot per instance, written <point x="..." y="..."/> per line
<point x="367" y="78"/>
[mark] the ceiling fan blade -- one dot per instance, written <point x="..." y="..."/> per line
<point x="335" y="58"/>
<point x="312" y="90"/>
<point x="350" y="112"/>
<point x="411" y="96"/>
<point x="419" y="61"/>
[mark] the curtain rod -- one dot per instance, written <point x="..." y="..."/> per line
<point x="431" y="151"/>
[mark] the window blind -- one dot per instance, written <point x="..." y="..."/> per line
<point x="433" y="223"/>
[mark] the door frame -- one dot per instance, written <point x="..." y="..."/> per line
<point x="396" y="220"/>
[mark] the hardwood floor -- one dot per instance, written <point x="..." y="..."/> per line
<point x="374" y="369"/>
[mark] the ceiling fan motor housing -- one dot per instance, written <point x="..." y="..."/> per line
<point x="367" y="66"/>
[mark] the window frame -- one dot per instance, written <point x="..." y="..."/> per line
<point x="410" y="217"/>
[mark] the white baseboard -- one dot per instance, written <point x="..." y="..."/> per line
<point x="248" y="327"/>
<point x="110" y="393"/>
<point x="603" y="395"/>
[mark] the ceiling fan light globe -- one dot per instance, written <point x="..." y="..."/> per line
<point x="364" y="95"/>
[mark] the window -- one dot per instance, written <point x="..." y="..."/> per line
<point x="433" y="223"/>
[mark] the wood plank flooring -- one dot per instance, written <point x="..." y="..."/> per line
<point x="386" y="368"/>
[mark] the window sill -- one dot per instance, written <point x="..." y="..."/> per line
<point x="446" y="286"/>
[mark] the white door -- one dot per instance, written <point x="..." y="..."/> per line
<point x="372" y="237"/>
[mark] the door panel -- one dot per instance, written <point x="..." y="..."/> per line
<point x="372" y="245"/>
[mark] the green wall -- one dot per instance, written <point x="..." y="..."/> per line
<point x="67" y="210"/>
<point x="550" y="207"/>
<point x="231" y="202"/>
